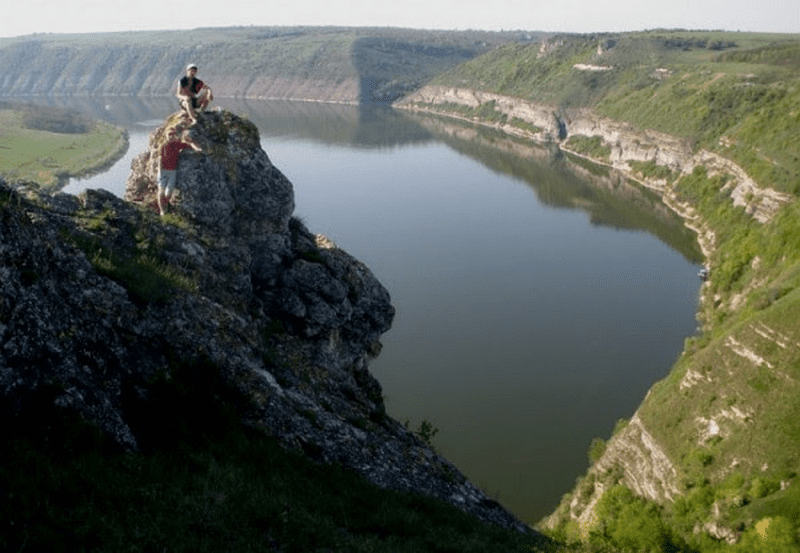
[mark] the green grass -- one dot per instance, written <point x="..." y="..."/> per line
<point x="31" y="152"/>
<point x="139" y="267"/>
<point x="739" y="473"/>
<point x="732" y="93"/>
<point x="146" y="277"/>
<point x="735" y="94"/>
<point x="205" y="483"/>
<point x="591" y="146"/>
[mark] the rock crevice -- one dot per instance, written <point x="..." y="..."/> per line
<point x="100" y="298"/>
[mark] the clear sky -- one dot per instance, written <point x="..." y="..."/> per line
<point x="22" y="17"/>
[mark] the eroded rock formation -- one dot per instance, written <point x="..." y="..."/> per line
<point x="101" y="297"/>
<point x="635" y="456"/>
<point x="627" y="144"/>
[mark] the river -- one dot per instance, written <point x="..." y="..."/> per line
<point x="537" y="299"/>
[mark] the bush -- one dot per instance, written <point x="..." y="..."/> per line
<point x="649" y="169"/>
<point x="762" y="487"/>
<point x="631" y="523"/>
<point x="769" y="535"/>
<point x="592" y="146"/>
<point x="596" y="449"/>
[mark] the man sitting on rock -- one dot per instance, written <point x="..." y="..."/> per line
<point x="193" y="93"/>
<point x="168" y="166"/>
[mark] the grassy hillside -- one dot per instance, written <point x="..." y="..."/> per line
<point x="204" y="483"/>
<point x="727" y="415"/>
<point x="48" y="145"/>
<point x="736" y="94"/>
<point x="338" y="64"/>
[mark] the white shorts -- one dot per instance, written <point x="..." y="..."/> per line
<point x="167" y="178"/>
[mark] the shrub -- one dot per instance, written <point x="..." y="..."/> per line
<point x="762" y="487"/>
<point x="769" y="535"/>
<point x="596" y="449"/>
<point x="592" y="146"/>
<point x="650" y="169"/>
<point x="631" y="523"/>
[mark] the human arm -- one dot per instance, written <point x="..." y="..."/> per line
<point x="187" y="142"/>
<point x="184" y="89"/>
<point x="183" y="94"/>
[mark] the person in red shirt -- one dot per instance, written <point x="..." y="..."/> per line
<point x="193" y="93"/>
<point x="168" y="166"/>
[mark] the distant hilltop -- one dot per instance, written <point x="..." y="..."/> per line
<point x="321" y="64"/>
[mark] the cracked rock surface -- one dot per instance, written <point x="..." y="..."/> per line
<point x="100" y="297"/>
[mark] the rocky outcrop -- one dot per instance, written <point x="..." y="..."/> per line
<point x="627" y="144"/>
<point x="539" y="115"/>
<point x="102" y="298"/>
<point x="634" y="457"/>
<point x="647" y="468"/>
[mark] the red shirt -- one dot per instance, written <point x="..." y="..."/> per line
<point x="170" y="152"/>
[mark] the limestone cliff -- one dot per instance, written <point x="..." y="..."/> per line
<point x="680" y="436"/>
<point x="626" y="143"/>
<point x="100" y="298"/>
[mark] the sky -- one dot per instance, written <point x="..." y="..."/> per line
<point x="23" y="17"/>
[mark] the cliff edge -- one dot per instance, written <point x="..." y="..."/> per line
<point x="101" y="299"/>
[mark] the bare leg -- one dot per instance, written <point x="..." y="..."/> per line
<point x="158" y="200"/>
<point x="187" y="107"/>
<point x="204" y="98"/>
<point x="166" y="208"/>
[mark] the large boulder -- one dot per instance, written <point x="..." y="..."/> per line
<point x="102" y="299"/>
<point x="230" y="190"/>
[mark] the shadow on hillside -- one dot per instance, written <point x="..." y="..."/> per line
<point x="389" y="68"/>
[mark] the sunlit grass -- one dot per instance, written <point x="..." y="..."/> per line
<point x="48" y="157"/>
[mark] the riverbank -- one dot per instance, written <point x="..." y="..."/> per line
<point x="712" y="447"/>
<point x="745" y="312"/>
<point x="49" y="146"/>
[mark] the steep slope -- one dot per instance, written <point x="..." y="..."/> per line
<point x="102" y="302"/>
<point x="710" y="456"/>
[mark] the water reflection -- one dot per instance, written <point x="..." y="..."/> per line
<point x="559" y="180"/>
<point x="536" y="298"/>
<point x="566" y="181"/>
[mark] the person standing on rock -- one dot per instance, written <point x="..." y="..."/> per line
<point x="168" y="165"/>
<point x="193" y="93"/>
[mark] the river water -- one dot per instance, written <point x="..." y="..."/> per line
<point x="537" y="299"/>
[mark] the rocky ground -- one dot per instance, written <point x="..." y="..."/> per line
<point x="101" y="297"/>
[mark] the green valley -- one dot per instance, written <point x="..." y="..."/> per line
<point x="709" y="120"/>
<point x="49" y="145"/>
<point x="709" y="461"/>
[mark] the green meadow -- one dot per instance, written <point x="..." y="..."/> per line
<point x="48" y="146"/>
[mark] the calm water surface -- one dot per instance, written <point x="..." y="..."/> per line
<point x="533" y="309"/>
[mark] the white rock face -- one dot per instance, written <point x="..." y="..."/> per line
<point x="626" y="143"/>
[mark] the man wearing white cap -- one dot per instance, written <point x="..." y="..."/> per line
<point x="193" y="93"/>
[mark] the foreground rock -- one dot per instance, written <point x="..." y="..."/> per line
<point x="101" y="297"/>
